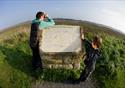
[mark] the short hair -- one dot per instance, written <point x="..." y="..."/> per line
<point x="97" y="41"/>
<point x="39" y="14"/>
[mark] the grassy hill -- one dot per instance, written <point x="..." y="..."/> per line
<point x="15" y="57"/>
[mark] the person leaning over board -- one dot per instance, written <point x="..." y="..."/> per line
<point x="93" y="53"/>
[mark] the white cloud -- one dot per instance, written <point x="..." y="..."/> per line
<point x="114" y="19"/>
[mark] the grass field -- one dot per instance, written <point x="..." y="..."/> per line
<point x="15" y="58"/>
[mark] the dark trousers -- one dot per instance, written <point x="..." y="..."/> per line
<point x="89" y="68"/>
<point x="36" y="60"/>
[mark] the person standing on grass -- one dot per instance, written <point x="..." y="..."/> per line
<point x="41" y="22"/>
<point x="93" y="52"/>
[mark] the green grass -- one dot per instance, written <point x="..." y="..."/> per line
<point x="110" y="70"/>
<point x="15" y="65"/>
<point x="15" y="59"/>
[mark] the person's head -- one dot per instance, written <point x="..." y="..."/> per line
<point x="97" y="41"/>
<point x="40" y="15"/>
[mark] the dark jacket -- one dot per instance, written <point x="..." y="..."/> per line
<point x="91" y="54"/>
<point x="34" y="34"/>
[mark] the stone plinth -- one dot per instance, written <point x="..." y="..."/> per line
<point x="61" y="46"/>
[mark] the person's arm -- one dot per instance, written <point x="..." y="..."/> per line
<point x="45" y="24"/>
<point x="87" y="43"/>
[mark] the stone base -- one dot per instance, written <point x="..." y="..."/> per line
<point x="61" y="47"/>
<point x="67" y="60"/>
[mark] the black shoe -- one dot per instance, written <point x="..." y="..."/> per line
<point x="71" y="80"/>
<point x="34" y="68"/>
<point x="83" y="79"/>
<point x="41" y="68"/>
<point x="76" y="81"/>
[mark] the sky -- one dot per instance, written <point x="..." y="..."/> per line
<point x="107" y="12"/>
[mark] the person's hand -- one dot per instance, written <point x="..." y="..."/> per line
<point x="46" y="15"/>
<point x="82" y="36"/>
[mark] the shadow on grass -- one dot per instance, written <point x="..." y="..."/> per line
<point x="18" y="60"/>
<point x="22" y="62"/>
